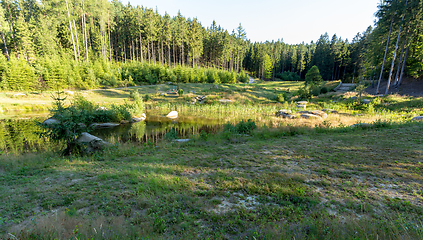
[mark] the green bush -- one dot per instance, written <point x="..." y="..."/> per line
<point x="324" y="90"/>
<point x="181" y="92"/>
<point x="280" y="98"/>
<point x="241" y="127"/>
<point x="313" y="76"/>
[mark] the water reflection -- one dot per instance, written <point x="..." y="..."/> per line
<point x="19" y="135"/>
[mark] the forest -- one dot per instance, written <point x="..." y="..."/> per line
<point x="84" y="44"/>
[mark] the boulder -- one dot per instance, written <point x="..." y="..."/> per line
<point x="301" y="106"/>
<point x="289" y="116"/>
<point x="139" y="119"/>
<point x="302" y="102"/>
<point x="51" y="121"/>
<point x="309" y="116"/>
<point x="367" y="101"/>
<point x="104" y="125"/>
<point x="418" y="118"/>
<point x="329" y="111"/>
<point x="225" y="101"/>
<point x="320" y="113"/>
<point x="284" y="111"/>
<point x="93" y="143"/>
<point x="172" y="115"/>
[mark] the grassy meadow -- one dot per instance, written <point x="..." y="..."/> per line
<point x="287" y="179"/>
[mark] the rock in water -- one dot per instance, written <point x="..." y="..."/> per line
<point x="173" y="114"/>
<point x="136" y="119"/>
<point x="104" y="125"/>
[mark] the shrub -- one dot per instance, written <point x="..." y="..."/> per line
<point x="241" y="127"/>
<point x="181" y="92"/>
<point x="280" y="98"/>
<point x="313" y="75"/>
<point x="324" y="90"/>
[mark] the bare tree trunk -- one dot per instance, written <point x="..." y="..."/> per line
<point x="395" y="52"/>
<point x="5" y="46"/>
<point x="384" y="58"/>
<point x="403" y="66"/>
<point x="148" y="51"/>
<point x="85" y="32"/>
<point x="174" y="57"/>
<point x="163" y="58"/>
<point x="12" y="30"/>
<point x="70" y="26"/>
<point x="168" y="52"/>
<point x="193" y="46"/>
<point x="399" y="65"/>
<point x="77" y="41"/>
<point x="110" y="40"/>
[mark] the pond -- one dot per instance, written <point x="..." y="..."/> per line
<point x="19" y="134"/>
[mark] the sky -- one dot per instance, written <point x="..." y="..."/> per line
<point x="293" y="21"/>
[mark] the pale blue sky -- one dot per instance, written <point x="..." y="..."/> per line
<point x="294" y="21"/>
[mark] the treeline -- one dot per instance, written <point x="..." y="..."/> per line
<point x="87" y="43"/>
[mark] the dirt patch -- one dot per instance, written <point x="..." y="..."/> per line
<point x="409" y="87"/>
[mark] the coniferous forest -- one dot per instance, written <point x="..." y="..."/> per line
<point x="84" y="44"/>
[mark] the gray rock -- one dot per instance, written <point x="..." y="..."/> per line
<point x="101" y="109"/>
<point x="302" y="106"/>
<point x="93" y="143"/>
<point x="104" y="125"/>
<point x="303" y="112"/>
<point x="225" y="100"/>
<point x="284" y="111"/>
<point x="302" y="102"/>
<point x="309" y="116"/>
<point x="289" y="116"/>
<point x="51" y="121"/>
<point x="172" y="115"/>
<point x="329" y="111"/>
<point x="354" y="98"/>
<point x="320" y="113"/>
<point x="367" y="101"/>
<point x="139" y="119"/>
<point x="418" y="118"/>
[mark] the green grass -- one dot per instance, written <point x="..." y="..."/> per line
<point x="302" y="179"/>
<point x="287" y="183"/>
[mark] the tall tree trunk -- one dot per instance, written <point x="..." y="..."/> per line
<point x="384" y="58"/>
<point x="70" y="26"/>
<point x="85" y="31"/>
<point x="110" y="39"/>
<point x="403" y="66"/>
<point x="395" y="52"/>
<point x="193" y="47"/>
<point x="12" y="30"/>
<point x="399" y="64"/>
<point x="5" y="46"/>
<point x="77" y="41"/>
<point x="174" y="57"/>
<point x="163" y="58"/>
<point x="148" y="51"/>
<point x="168" y="52"/>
